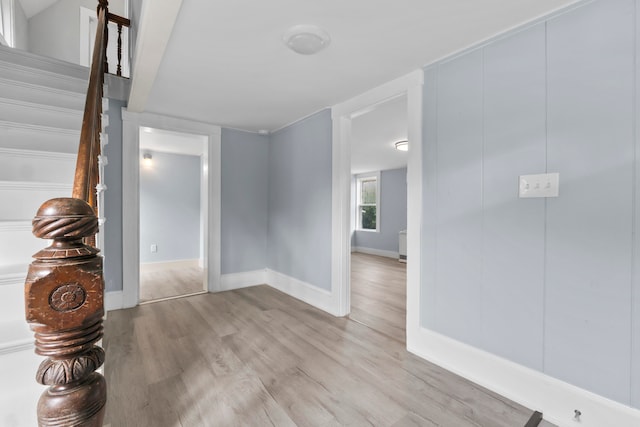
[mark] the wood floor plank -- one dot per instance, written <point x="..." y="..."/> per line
<point x="414" y="420"/>
<point x="256" y="356"/>
<point x="379" y="294"/>
<point x="155" y="285"/>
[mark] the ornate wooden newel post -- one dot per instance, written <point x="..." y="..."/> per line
<point x="64" y="305"/>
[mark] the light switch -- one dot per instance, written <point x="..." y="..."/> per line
<point x="541" y="185"/>
<point x="154" y="248"/>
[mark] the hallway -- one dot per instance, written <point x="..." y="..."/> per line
<point x="257" y="357"/>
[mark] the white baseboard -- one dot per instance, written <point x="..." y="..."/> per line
<point x="378" y="252"/>
<point x="245" y="279"/>
<point x="317" y="297"/>
<point x="113" y="301"/>
<point x="168" y="265"/>
<point x="556" y="399"/>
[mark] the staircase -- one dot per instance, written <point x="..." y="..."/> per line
<point x="41" y="107"/>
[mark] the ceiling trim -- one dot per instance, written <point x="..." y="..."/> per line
<point x="506" y="33"/>
<point x="156" y="24"/>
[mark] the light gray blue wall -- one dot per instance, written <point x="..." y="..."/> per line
<point x="170" y="208"/>
<point x="299" y="230"/>
<point x="245" y="201"/>
<point x="113" y="199"/>
<point x="393" y="213"/>
<point x="548" y="283"/>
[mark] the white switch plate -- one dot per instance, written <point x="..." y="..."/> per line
<point x="154" y="248"/>
<point x="541" y="185"/>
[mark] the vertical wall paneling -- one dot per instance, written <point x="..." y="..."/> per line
<point x="552" y="284"/>
<point x="428" y="291"/>
<point x="589" y="227"/>
<point x="635" y="313"/>
<point x="514" y="144"/>
<point x="459" y="198"/>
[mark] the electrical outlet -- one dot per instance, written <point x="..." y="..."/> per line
<point x="541" y="185"/>
<point x="154" y="248"/>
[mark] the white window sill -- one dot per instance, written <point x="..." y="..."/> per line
<point x="368" y="231"/>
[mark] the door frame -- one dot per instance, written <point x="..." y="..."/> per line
<point x="131" y="124"/>
<point x="342" y="115"/>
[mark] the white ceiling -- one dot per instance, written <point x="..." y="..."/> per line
<point x="157" y="140"/>
<point x="33" y="7"/>
<point x="225" y="62"/>
<point x="373" y="137"/>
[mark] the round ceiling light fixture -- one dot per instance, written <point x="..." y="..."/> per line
<point x="402" y="145"/>
<point x="306" y="39"/>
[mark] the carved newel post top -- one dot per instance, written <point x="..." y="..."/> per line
<point x="65" y="206"/>
<point x="65" y="218"/>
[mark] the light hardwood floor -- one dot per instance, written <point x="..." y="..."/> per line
<point x="257" y="357"/>
<point x="379" y="294"/>
<point x="156" y="285"/>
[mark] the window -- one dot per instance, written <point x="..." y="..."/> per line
<point x="368" y="197"/>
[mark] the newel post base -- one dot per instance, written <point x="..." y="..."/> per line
<point x="64" y="294"/>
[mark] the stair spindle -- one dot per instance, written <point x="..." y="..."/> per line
<point x="119" y="70"/>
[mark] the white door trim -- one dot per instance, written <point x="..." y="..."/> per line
<point x="342" y="114"/>
<point x="131" y="123"/>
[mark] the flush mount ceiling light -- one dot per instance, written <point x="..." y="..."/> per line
<point x="306" y="39"/>
<point x="402" y="145"/>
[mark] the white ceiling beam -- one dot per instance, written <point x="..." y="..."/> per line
<point x="156" y="24"/>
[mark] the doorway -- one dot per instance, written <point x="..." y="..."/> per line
<point x="172" y="214"/>
<point x="132" y="122"/>
<point x="379" y="217"/>
<point x="343" y="114"/>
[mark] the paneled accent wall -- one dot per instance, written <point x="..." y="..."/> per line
<point x="551" y="284"/>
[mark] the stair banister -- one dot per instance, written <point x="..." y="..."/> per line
<point x="64" y="288"/>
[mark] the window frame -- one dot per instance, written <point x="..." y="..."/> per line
<point x="375" y="176"/>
